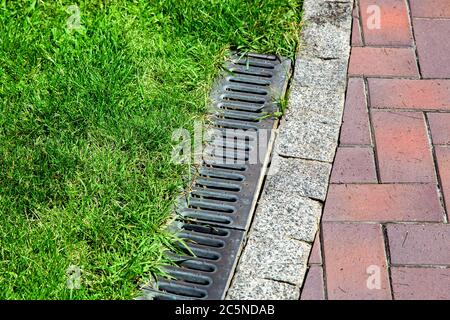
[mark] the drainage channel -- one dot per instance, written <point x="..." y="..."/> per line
<point x="215" y="215"/>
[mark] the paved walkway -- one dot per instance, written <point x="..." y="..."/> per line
<point x="385" y="231"/>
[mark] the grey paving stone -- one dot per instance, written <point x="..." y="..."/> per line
<point x="326" y="41"/>
<point x="305" y="177"/>
<point x="250" y="288"/>
<point x="319" y="73"/>
<point x="281" y="259"/>
<point x="287" y="214"/>
<point x="326" y="104"/>
<point x="308" y="139"/>
<point x="322" y="12"/>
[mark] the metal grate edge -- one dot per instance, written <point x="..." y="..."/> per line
<point x="215" y="215"/>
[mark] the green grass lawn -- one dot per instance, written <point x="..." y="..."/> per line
<point x="86" y="118"/>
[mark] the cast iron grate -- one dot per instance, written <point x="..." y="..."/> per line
<point x="216" y="213"/>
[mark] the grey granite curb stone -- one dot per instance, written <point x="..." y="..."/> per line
<point x="334" y="12"/>
<point x="318" y="73"/>
<point x="321" y="104"/>
<point x="325" y="41"/>
<point x="285" y="214"/>
<point x="280" y="263"/>
<point x="253" y="288"/>
<point x="310" y="177"/>
<point x="307" y="138"/>
<point x="274" y="260"/>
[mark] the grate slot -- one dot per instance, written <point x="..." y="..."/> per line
<point x="207" y="230"/>
<point x="231" y="167"/>
<point x="209" y="217"/>
<point x="198" y="265"/>
<point x="247" y="89"/>
<point x="227" y="155"/>
<point x="220" y="174"/>
<point x="202" y="240"/>
<point x="232" y="124"/>
<point x="217" y="185"/>
<point x="252" y="63"/>
<point x="249" y="81"/>
<point x="203" y="194"/>
<point x="242" y="97"/>
<point x="219" y="158"/>
<point x="251" y="73"/>
<point x="199" y="252"/>
<point x="241" y="134"/>
<point x="235" y="105"/>
<point x="188" y="276"/>
<point x="242" y="116"/>
<point x="262" y="56"/>
<point x="235" y="144"/>
<point x="204" y="205"/>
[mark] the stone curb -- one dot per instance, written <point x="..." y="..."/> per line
<point x="273" y="262"/>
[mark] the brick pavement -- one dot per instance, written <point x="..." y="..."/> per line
<point x="384" y="232"/>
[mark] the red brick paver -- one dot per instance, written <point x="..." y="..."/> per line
<point x="403" y="149"/>
<point x="367" y="61"/>
<point x="385" y="230"/>
<point x="443" y="161"/>
<point x="385" y="23"/>
<point x="382" y="202"/>
<point x="356" y="130"/>
<point x="421" y="283"/>
<point x="433" y="46"/>
<point x="419" y="244"/>
<point x="344" y="245"/>
<point x="410" y="94"/>
<point x="430" y="8"/>
<point x="313" y="288"/>
<point x="356" y="30"/>
<point x="315" y="256"/>
<point x="440" y="127"/>
<point x="354" y="165"/>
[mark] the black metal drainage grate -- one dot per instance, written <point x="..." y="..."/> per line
<point x="215" y="216"/>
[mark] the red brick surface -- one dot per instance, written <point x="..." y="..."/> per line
<point x="388" y="62"/>
<point x="382" y="202"/>
<point x="351" y="250"/>
<point x="354" y="165"/>
<point x="430" y="8"/>
<point x="313" y="288"/>
<point x="443" y="161"/>
<point x="420" y="283"/>
<point x="410" y="94"/>
<point x="440" y="127"/>
<point x="433" y="46"/>
<point x="388" y="202"/>
<point x="403" y="150"/>
<point x="394" y="27"/>
<point x="355" y="128"/>
<point x="316" y="254"/>
<point x="419" y="244"/>
<point x="356" y="30"/>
